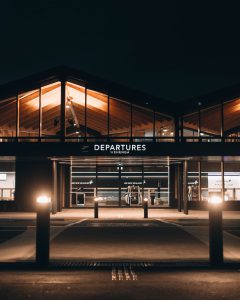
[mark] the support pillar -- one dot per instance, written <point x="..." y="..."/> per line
<point x="200" y="181"/>
<point x="185" y="191"/>
<point x="176" y="129"/>
<point x="33" y="177"/>
<point x="171" y="186"/>
<point x="61" y="187"/>
<point x="180" y="187"/>
<point x="63" y="105"/>
<point x="67" y="198"/>
<point x="120" y="186"/>
<point x="54" y="188"/>
<point x="222" y="178"/>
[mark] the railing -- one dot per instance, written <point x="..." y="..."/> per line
<point x="123" y="139"/>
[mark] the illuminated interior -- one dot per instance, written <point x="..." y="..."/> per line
<point x="88" y="114"/>
<point x="214" y="122"/>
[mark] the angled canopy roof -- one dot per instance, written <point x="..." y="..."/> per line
<point x="92" y="82"/>
<point x="116" y="90"/>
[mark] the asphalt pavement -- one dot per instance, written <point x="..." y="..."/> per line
<point x="101" y="284"/>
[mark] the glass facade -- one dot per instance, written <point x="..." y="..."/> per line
<point x="79" y="114"/>
<point x="119" y="120"/>
<point x="213" y="124"/>
<point x="7" y="181"/>
<point x="118" y="185"/>
<point x="8" y="113"/>
<point x="74" y="113"/>
<point x="50" y="112"/>
<point x="209" y="180"/>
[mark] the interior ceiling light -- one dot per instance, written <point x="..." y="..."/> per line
<point x="51" y="99"/>
<point x="78" y="97"/>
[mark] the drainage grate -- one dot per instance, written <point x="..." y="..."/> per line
<point x="109" y="265"/>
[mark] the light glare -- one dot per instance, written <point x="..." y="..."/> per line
<point x="215" y="199"/>
<point x="43" y="199"/>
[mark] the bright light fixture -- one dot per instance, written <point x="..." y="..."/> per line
<point x="146" y="199"/>
<point x="215" y="199"/>
<point x="43" y="199"/>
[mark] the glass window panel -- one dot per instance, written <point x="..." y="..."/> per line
<point x="211" y="178"/>
<point x="7" y="118"/>
<point x="7" y="180"/>
<point x="190" y="126"/>
<point x="232" y="118"/>
<point x="75" y="110"/>
<point x="29" y="114"/>
<point x="156" y="185"/>
<point x="142" y="123"/>
<point x="232" y="181"/>
<point x="97" y="114"/>
<point x="82" y="186"/>
<point x="164" y="128"/>
<point x="120" y="119"/>
<point x="131" y="185"/>
<point x="193" y="181"/>
<point x="208" y="126"/>
<point x="51" y="110"/>
<point x="108" y="185"/>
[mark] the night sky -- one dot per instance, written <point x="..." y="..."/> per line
<point x="172" y="49"/>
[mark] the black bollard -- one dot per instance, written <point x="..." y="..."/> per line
<point x="215" y="231"/>
<point x="43" y="231"/>
<point x="96" y="208"/>
<point x="145" y="208"/>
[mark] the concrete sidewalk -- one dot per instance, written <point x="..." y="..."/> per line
<point x="120" y="213"/>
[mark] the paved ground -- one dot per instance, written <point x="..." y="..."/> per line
<point x="124" y="240"/>
<point x="124" y="213"/>
<point x="168" y="236"/>
<point x="172" y="237"/>
<point x="101" y="284"/>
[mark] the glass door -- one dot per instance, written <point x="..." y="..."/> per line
<point x="132" y="185"/>
<point x="108" y="185"/>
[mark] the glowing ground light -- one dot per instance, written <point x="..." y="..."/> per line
<point x="215" y="200"/>
<point x="43" y="199"/>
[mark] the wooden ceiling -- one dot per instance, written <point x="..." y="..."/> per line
<point x="97" y="112"/>
<point x="211" y="118"/>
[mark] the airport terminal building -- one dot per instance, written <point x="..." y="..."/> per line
<point x="77" y="137"/>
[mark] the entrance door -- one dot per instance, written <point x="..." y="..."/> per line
<point x="107" y="188"/>
<point x="132" y="186"/>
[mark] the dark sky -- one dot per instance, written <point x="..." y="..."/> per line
<point x="172" y="49"/>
